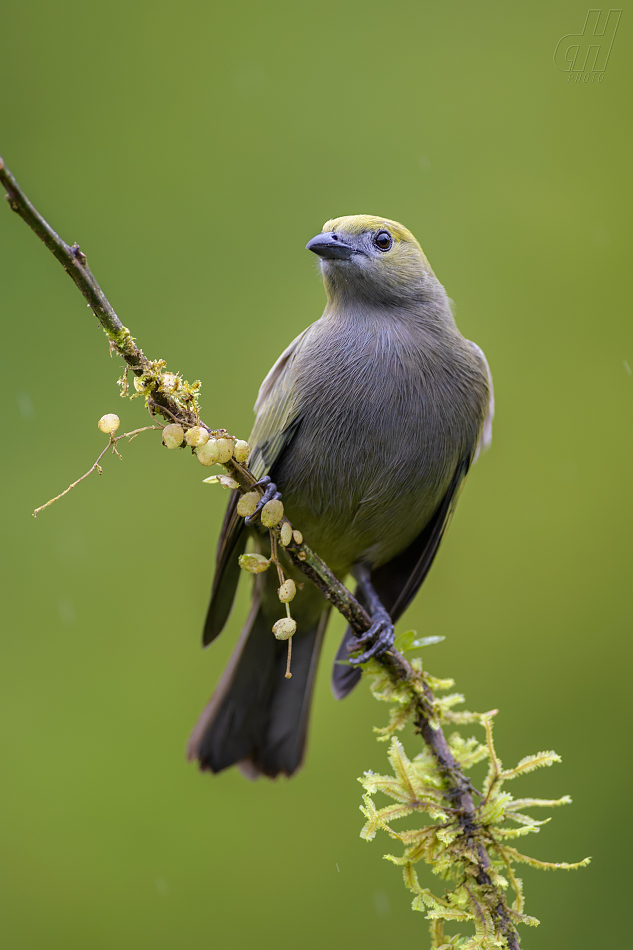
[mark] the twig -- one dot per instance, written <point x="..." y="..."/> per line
<point x="289" y="658"/>
<point x="96" y="467"/>
<point x="274" y="556"/>
<point x="458" y="789"/>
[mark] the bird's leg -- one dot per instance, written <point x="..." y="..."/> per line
<point x="270" y="494"/>
<point x="381" y="631"/>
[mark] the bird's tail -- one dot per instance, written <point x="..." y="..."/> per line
<point x="256" y="717"/>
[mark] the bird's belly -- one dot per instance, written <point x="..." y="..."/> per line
<point x="368" y="505"/>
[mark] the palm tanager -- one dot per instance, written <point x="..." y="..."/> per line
<point x="366" y="425"/>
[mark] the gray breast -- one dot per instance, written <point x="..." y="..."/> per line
<point x="386" y="414"/>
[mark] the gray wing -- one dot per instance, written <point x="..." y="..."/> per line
<point x="398" y="581"/>
<point x="277" y="417"/>
<point x="276" y="411"/>
<point x="486" y="433"/>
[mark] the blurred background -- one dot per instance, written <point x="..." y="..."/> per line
<point x="192" y="150"/>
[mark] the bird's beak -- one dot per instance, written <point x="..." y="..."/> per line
<point x="331" y="245"/>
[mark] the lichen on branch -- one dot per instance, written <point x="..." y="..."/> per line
<point x="453" y="840"/>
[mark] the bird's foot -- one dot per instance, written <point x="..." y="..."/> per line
<point x="381" y="633"/>
<point x="270" y="494"/>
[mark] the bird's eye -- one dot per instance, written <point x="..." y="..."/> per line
<point x="383" y="240"/>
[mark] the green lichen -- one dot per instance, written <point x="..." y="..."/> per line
<point x="449" y="840"/>
<point x="155" y="379"/>
<point x="122" y="339"/>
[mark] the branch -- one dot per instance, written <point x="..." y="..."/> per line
<point x="75" y="263"/>
<point x="183" y="409"/>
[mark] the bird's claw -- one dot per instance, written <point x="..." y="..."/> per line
<point x="270" y="494"/>
<point x="381" y="633"/>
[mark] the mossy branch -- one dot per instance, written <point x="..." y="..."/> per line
<point x="177" y="401"/>
<point x="458" y="842"/>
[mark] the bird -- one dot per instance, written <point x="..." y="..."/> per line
<point x="366" y="427"/>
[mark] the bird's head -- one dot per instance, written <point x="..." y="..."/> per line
<point x="371" y="258"/>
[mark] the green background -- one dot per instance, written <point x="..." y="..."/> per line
<point x="192" y="150"/>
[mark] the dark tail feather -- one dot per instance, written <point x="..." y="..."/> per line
<point x="389" y="581"/>
<point x="232" y="543"/>
<point x="256" y="717"/>
<point x="398" y="581"/>
<point x="344" y="676"/>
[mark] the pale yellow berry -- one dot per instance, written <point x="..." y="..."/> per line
<point x="196" y="436"/>
<point x="227" y="482"/>
<point x="298" y="537"/>
<point x="225" y="450"/>
<point x="272" y="513"/>
<point x="207" y="452"/>
<point x="284" y="628"/>
<point x="109" y="423"/>
<point x="173" y="434"/>
<point x="285" y="535"/>
<point x="241" y="450"/>
<point x="287" y="591"/>
<point x="253" y="563"/>
<point x="247" y="504"/>
<point x="169" y="382"/>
